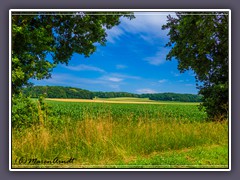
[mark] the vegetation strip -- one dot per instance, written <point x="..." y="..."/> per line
<point x="124" y="101"/>
<point x="125" y="135"/>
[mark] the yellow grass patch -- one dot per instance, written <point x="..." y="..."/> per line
<point x="120" y="101"/>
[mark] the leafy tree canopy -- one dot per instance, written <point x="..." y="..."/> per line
<point x="35" y="36"/>
<point x="199" y="42"/>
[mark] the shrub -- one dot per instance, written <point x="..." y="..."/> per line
<point x="24" y="111"/>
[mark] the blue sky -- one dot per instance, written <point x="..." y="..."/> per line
<point x="133" y="60"/>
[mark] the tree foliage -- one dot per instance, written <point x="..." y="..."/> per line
<point x="77" y="93"/>
<point x="173" y="97"/>
<point x="35" y="36"/>
<point x="24" y="111"/>
<point x="200" y="42"/>
<point x="58" y="92"/>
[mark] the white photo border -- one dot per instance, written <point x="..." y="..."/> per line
<point x="115" y="10"/>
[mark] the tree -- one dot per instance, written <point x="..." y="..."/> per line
<point x="200" y="42"/>
<point x="37" y="35"/>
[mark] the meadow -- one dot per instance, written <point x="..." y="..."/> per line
<point x="104" y="133"/>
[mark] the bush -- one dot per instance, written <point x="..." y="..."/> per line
<point x="24" y="111"/>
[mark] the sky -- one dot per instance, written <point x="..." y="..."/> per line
<point x="133" y="60"/>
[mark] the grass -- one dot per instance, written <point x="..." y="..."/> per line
<point x="102" y="135"/>
<point x="212" y="156"/>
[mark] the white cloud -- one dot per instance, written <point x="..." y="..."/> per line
<point x="83" y="67"/>
<point x="117" y="77"/>
<point x="147" y="22"/>
<point x="111" y="80"/>
<point x="124" y="76"/>
<point x="147" y="38"/>
<point x="114" y="79"/>
<point x="64" y="79"/>
<point x="120" y="66"/>
<point x="158" y="58"/>
<point x="114" y="34"/>
<point x="146" y="91"/>
<point x="162" y="81"/>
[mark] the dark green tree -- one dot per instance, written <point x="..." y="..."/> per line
<point x="35" y="36"/>
<point x="200" y="42"/>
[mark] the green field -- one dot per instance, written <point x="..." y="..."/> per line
<point x="122" y="135"/>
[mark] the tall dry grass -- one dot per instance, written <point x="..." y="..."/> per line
<point x="105" y="141"/>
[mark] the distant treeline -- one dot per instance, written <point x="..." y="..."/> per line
<point x="77" y="93"/>
<point x="58" y="92"/>
<point x="173" y="97"/>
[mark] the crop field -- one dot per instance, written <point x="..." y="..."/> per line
<point x="121" y="135"/>
<point x="123" y="101"/>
